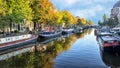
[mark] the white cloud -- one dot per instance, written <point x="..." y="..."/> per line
<point x="89" y="12"/>
<point x="67" y="3"/>
<point x="70" y="2"/>
<point x="85" y="8"/>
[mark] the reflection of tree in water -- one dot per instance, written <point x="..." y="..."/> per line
<point x="85" y="32"/>
<point x="42" y="59"/>
<point x="89" y="31"/>
<point x="39" y="59"/>
<point x="62" y="45"/>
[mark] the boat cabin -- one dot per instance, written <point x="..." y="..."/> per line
<point x="107" y="41"/>
<point x="115" y="30"/>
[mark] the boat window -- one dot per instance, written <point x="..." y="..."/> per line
<point x="8" y="38"/>
<point x="116" y="29"/>
<point x="118" y="33"/>
<point x="16" y="37"/>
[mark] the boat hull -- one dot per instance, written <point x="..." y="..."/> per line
<point x="49" y="35"/>
<point x="6" y="47"/>
<point x="111" y="49"/>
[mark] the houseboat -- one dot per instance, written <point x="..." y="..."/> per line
<point x="108" y="42"/>
<point x="49" y="34"/>
<point x="67" y="31"/>
<point x="7" y="43"/>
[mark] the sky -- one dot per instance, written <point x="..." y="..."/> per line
<point x="89" y="9"/>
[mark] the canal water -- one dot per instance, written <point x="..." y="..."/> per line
<point x="79" y="50"/>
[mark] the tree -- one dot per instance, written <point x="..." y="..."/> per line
<point x="59" y="16"/>
<point x="67" y="18"/>
<point x="104" y="18"/>
<point x="3" y="18"/>
<point x="17" y="11"/>
<point x="83" y="21"/>
<point x="90" y="22"/>
<point x="113" y="22"/>
<point x="79" y="22"/>
<point x="3" y="22"/>
<point x="100" y="23"/>
<point x="40" y="10"/>
<point x="74" y="20"/>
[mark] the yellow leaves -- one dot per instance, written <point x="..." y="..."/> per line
<point x="74" y="20"/>
<point x="83" y="21"/>
<point x="47" y="13"/>
<point x="90" y="22"/>
<point x="51" y="12"/>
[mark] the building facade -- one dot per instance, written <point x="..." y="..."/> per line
<point x="115" y="11"/>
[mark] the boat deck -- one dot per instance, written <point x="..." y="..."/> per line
<point x="17" y="42"/>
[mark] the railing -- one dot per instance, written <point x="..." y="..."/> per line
<point x="14" y="38"/>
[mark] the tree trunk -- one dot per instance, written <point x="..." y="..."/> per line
<point x="18" y="27"/>
<point x="34" y="25"/>
<point x="10" y="26"/>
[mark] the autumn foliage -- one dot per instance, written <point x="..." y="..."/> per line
<point x="37" y="12"/>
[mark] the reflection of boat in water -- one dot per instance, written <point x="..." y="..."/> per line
<point x="15" y="52"/>
<point x="49" y="34"/>
<point x="47" y="40"/>
<point x="16" y="41"/>
<point x="111" y="60"/>
<point x="44" y="59"/>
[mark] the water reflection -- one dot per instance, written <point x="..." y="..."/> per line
<point x="43" y="57"/>
<point x="84" y="33"/>
<point x="111" y="60"/>
<point x="45" y="54"/>
<point x="84" y="53"/>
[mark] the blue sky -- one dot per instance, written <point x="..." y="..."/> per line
<point x="89" y="9"/>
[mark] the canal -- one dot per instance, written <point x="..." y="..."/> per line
<point x="79" y="50"/>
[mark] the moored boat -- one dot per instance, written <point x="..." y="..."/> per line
<point x="108" y="43"/>
<point x="49" y="34"/>
<point x="111" y="60"/>
<point x="16" y="41"/>
<point x="67" y="30"/>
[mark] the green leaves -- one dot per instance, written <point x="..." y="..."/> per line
<point x="112" y="22"/>
<point x="18" y="10"/>
<point x="37" y="11"/>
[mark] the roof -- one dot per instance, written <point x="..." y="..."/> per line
<point x="108" y="38"/>
<point x="105" y="33"/>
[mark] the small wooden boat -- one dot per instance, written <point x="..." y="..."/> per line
<point x="16" y="41"/>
